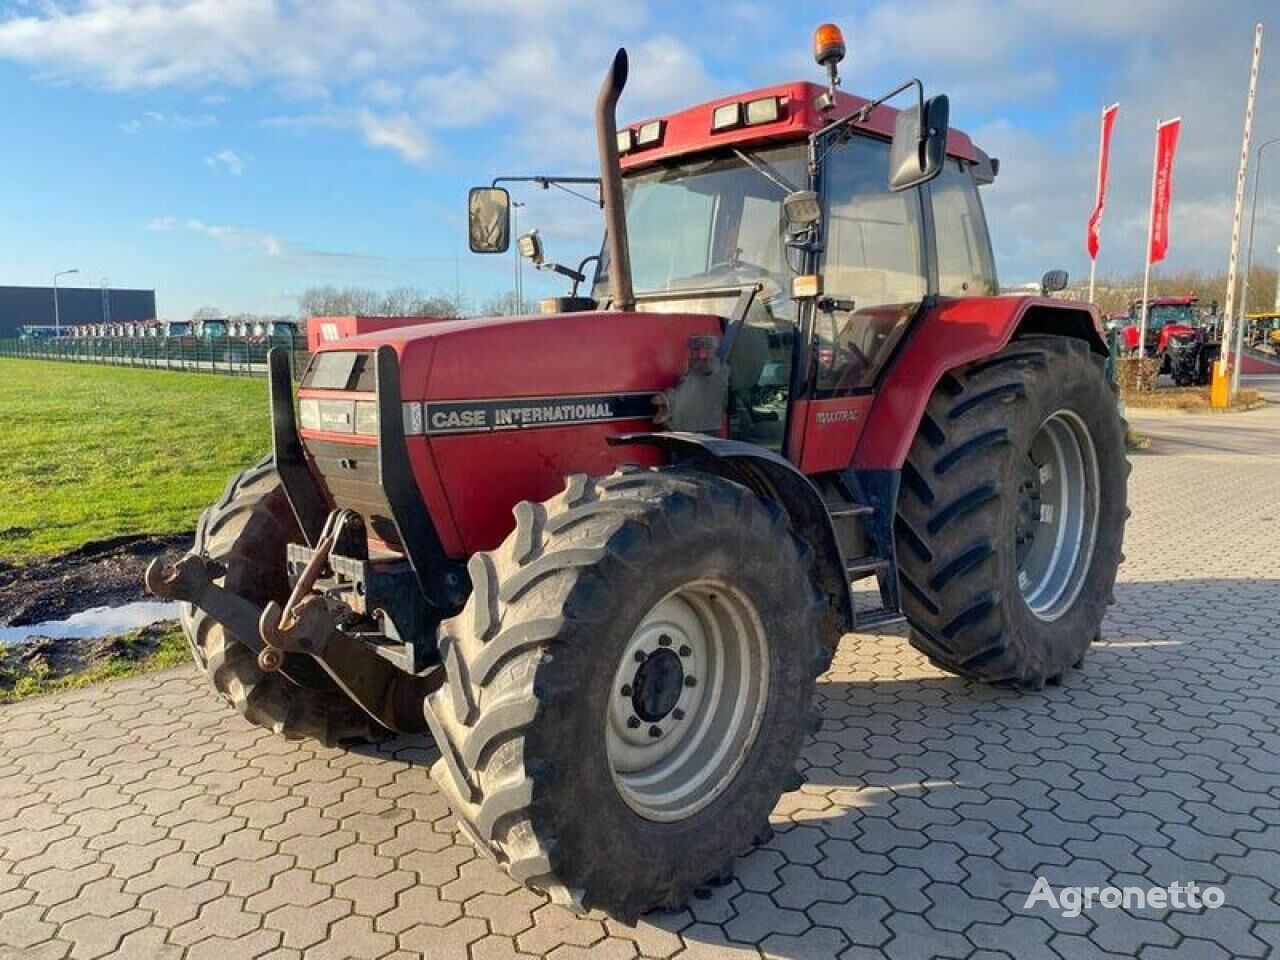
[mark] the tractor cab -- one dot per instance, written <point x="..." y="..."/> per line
<point x="1166" y="317"/>
<point x="792" y="213"/>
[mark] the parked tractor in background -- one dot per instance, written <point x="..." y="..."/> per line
<point x="604" y="554"/>
<point x="1182" y="334"/>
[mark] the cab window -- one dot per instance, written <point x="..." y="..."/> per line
<point x="873" y="258"/>
<point x="965" y="265"/>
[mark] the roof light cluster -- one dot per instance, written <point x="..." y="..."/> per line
<point x="752" y="113"/>
<point x="637" y="138"/>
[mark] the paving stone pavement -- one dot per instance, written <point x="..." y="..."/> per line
<point x="143" y="819"/>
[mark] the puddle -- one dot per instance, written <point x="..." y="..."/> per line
<point x="98" y="622"/>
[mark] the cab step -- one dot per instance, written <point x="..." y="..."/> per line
<point x="871" y="620"/>
<point x="865" y="566"/>
<point x="853" y="510"/>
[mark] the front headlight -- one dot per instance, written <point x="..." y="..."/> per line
<point x="367" y="418"/>
<point x="309" y="414"/>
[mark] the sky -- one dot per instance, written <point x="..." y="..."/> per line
<point x="232" y="153"/>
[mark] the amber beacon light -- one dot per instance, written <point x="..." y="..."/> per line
<point x="828" y="45"/>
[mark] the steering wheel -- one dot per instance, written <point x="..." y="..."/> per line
<point x="735" y="265"/>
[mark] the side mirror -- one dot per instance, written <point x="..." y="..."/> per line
<point x="1053" y="281"/>
<point x="919" y="148"/>
<point x="801" y="210"/>
<point x="530" y="247"/>
<point x="489" y="220"/>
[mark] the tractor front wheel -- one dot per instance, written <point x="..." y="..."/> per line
<point x="1012" y="513"/>
<point x="628" y="688"/>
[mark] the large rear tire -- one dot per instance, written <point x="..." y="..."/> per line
<point x="1012" y="513"/>
<point x="247" y="532"/>
<point x="629" y="687"/>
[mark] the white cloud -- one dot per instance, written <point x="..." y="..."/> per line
<point x="260" y="242"/>
<point x="157" y="120"/>
<point x="399" y="132"/>
<point x="228" y="161"/>
<point x="148" y="44"/>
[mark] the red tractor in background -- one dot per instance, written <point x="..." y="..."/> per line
<point x="1182" y="334"/>
<point x="604" y="554"/>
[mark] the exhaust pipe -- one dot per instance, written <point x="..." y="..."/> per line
<point x="615" y="217"/>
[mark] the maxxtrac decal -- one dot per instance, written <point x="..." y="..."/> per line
<point x="483" y="416"/>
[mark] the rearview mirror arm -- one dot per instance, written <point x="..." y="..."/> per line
<point x="559" y="182"/>
<point x="861" y="115"/>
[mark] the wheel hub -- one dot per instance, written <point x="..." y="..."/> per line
<point x="1056" y="520"/>
<point x="689" y="695"/>
<point x="658" y="685"/>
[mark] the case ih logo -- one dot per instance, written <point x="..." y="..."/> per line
<point x="482" y="416"/>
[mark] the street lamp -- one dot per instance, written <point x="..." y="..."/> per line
<point x="57" y="322"/>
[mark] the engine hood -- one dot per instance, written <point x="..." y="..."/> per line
<point x="571" y="355"/>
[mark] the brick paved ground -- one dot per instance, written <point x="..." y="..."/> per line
<point x="142" y="819"/>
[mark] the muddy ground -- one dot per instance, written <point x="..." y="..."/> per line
<point x="43" y="661"/>
<point x="105" y="573"/>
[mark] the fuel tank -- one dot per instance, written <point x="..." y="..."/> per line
<point x="501" y="410"/>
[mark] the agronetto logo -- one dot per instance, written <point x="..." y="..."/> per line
<point x="1072" y="901"/>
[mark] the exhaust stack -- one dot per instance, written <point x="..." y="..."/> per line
<point x="615" y="217"/>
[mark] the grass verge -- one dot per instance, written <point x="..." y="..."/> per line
<point x="38" y="667"/>
<point x="92" y="452"/>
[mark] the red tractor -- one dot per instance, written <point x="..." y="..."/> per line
<point x="603" y="555"/>
<point x="1181" y="334"/>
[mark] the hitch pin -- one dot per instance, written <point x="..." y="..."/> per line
<point x="274" y="620"/>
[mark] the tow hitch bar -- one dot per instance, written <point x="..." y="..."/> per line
<point x="304" y="626"/>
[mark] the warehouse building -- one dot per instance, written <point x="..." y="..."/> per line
<point x="33" y="307"/>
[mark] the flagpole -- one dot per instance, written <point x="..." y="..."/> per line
<point x="1229" y="321"/>
<point x="1151" y="227"/>
<point x="1093" y="267"/>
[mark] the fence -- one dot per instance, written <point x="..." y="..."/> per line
<point x="224" y="355"/>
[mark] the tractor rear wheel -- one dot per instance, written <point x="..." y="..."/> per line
<point x="1012" y="513"/>
<point x="247" y="532"/>
<point x="629" y="687"/>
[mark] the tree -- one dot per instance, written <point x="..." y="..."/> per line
<point x="329" y="301"/>
<point x="208" y="313"/>
<point x="502" y="305"/>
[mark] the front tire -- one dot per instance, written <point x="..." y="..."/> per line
<point x="629" y="687"/>
<point x="1012" y="513"/>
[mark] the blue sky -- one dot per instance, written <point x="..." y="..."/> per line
<point x="234" y="152"/>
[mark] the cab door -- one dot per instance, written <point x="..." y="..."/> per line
<point x="874" y="278"/>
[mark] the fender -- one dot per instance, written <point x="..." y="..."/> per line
<point x="777" y="479"/>
<point x="952" y="333"/>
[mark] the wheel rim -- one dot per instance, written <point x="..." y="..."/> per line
<point x="687" y="700"/>
<point x="1057" y="519"/>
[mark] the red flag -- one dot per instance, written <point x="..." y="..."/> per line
<point x="1104" y="157"/>
<point x="1162" y="188"/>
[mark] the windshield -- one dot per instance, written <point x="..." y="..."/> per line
<point x="707" y="222"/>
<point x="1158" y="314"/>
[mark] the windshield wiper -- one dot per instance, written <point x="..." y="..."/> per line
<point x="762" y="168"/>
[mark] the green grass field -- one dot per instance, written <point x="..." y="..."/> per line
<point x="89" y="452"/>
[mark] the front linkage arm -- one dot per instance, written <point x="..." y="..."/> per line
<point x="392" y="697"/>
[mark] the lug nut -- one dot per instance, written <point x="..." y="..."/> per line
<point x="626" y="690"/>
<point x="677" y="714"/>
<point x="664" y="641"/>
<point x="655" y="731"/>
<point x="690" y="681"/>
<point x="633" y="722"/>
<point x="686" y="650"/>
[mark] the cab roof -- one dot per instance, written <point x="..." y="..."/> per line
<point x="1168" y="301"/>
<point x="689" y="131"/>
